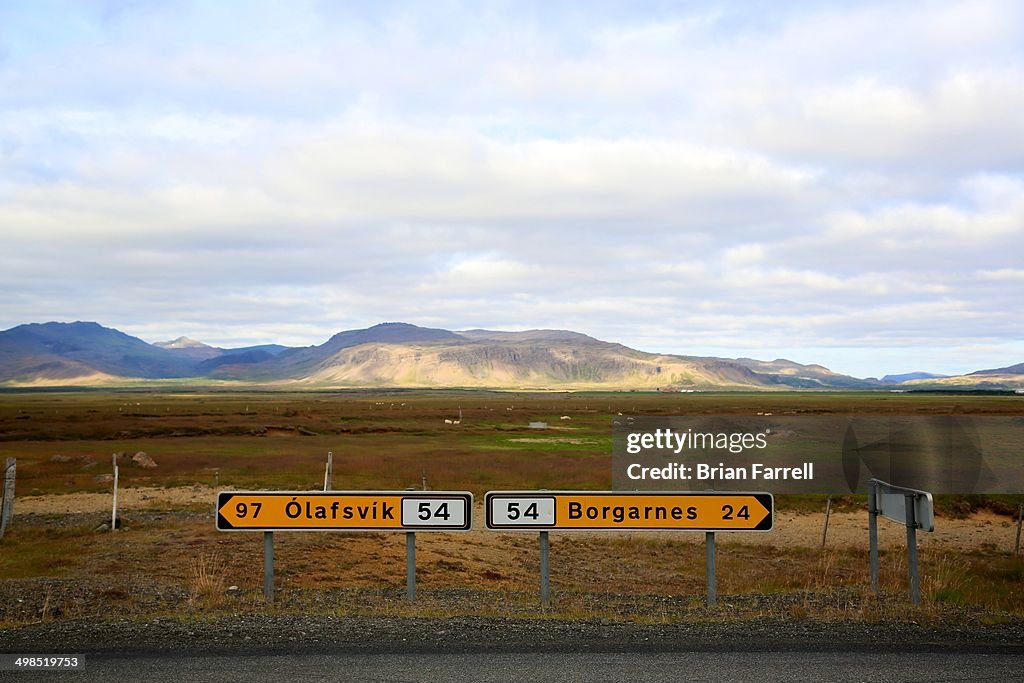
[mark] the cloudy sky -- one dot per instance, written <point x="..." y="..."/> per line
<point x="832" y="182"/>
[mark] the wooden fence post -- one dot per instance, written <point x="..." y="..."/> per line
<point x="1020" y="519"/>
<point x="329" y="472"/>
<point x="824" y="531"/>
<point x="113" y="511"/>
<point x="7" y="507"/>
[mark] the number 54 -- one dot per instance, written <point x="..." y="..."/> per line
<point x="514" y="512"/>
<point x="424" y="512"/>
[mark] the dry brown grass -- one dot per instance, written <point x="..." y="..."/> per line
<point x="208" y="581"/>
<point x="173" y="567"/>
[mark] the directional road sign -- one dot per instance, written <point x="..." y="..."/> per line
<point x="619" y="510"/>
<point x="344" y="511"/>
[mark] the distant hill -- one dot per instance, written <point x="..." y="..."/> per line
<point x="190" y="348"/>
<point x="510" y="362"/>
<point x="300" y="363"/>
<point x="199" y="351"/>
<point x="63" y="351"/>
<point x="399" y="354"/>
<point x="254" y="355"/>
<point x="396" y="355"/>
<point x="1011" y="377"/>
<point x="1017" y="369"/>
<point x="272" y="349"/>
<point x="908" y="376"/>
<point x="529" y="336"/>
<point x="804" y="376"/>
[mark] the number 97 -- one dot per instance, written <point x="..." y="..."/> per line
<point x="242" y="510"/>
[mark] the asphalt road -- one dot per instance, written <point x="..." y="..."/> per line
<point x="649" y="667"/>
<point x="286" y="648"/>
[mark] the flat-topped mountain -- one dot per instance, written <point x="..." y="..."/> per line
<point x="402" y="355"/>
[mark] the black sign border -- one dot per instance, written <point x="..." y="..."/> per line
<point x="763" y="497"/>
<point x="224" y="497"/>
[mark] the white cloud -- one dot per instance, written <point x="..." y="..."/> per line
<point x="488" y="275"/>
<point x="743" y="255"/>
<point x="1001" y="274"/>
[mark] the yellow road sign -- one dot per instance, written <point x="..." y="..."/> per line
<point x="615" y="510"/>
<point x="344" y="510"/>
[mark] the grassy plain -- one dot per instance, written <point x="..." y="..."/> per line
<point x="170" y="560"/>
<point x="379" y="440"/>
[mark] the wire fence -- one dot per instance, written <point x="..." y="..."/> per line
<point x="96" y="478"/>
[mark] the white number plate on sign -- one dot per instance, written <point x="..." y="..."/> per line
<point x="434" y="512"/>
<point x="522" y="511"/>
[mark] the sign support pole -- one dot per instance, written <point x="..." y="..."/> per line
<point x="268" y="565"/>
<point x="915" y="580"/>
<point x="410" y="566"/>
<point x="873" y="533"/>
<point x="545" y="570"/>
<point x="709" y="561"/>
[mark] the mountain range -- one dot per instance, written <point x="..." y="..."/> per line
<point x="404" y="355"/>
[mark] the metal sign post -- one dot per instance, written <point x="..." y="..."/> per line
<point x="545" y="511"/>
<point x="410" y="566"/>
<point x="709" y="568"/>
<point x="911" y="507"/>
<point x="545" y="570"/>
<point x="410" y="563"/>
<point x="873" y="534"/>
<point x="915" y="580"/>
<point x="268" y="565"/>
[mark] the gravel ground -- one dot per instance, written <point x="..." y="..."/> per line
<point x="294" y="633"/>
